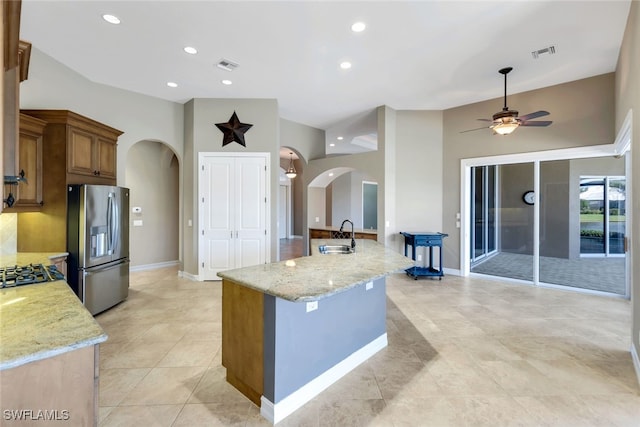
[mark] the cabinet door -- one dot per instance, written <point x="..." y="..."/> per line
<point x="106" y="158"/>
<point x="30" y="162"/>
<point x="81" y="151"/>
<point x="28" y="194"/>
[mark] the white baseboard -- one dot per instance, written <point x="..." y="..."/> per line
<point x="194" y="277"/>
<point x="275" y="413"/>
<point x="452" y="271"/>
<point x="154" y="266"/>
<point x="636" y="361"/>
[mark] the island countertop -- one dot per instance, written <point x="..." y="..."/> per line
<point x="42" y="320"/>
<point x="319" y="276"/>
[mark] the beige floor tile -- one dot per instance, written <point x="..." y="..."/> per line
<point x="215" y="389"/>
<point x="137" y="354"/>
<point x="190" y="353"/>
<point x="462" y="352"/>
<point x="115" y="384"/>
<point x="164" y="386"/>
<point x="212" y="415"/>
<point x="352" y="412"/>
<point x="147" y="415"/>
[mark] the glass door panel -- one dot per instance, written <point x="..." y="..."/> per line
<point x="507" y="221"/>
<point x="592" y="214"/>
<point x="581" y="222"/>
<point x="616" y="196"/>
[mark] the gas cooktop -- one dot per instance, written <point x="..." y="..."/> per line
<point x="28" y="274"/>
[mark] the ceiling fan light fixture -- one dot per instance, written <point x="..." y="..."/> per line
<point x="505" y="128"/>
<point x="291" y="170"/>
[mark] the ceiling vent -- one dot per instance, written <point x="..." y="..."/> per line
<point x="546" y="51"/>
<point x="225" y="64"/>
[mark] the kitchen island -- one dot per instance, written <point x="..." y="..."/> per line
<point x="48" y="352"/>
<point x="291" y="329"/>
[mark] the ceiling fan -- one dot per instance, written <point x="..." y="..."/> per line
<point x="506" y="121"/>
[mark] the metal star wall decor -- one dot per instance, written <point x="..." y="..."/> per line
<point x="233" y="130"/>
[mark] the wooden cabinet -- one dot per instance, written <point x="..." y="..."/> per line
<point x="28" y="195"/>
<point x="91" y="154"/>
<point x="74" y="147"/>
<point x="60" y="261"/>
<point x="89" y="147"/>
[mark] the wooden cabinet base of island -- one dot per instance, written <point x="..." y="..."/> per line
<point x="281" y="354"/>
<point x="62" y="389"/>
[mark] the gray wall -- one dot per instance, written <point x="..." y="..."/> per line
<point x="627" y="93"/>
<point x="153" y="176"/>
<point x="201" y="135"/>
<point x="52" y="85"/>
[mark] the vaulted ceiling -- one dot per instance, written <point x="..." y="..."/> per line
<point x="416" y="55"/>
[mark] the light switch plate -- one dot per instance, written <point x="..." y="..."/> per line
<point x="137" y="223"/>
<point x="368" y="286"/>
<point x="312" y="305"/>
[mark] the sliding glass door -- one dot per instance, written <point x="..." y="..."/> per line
<point x="483" y="212"/>
<point x="570" y="234"/>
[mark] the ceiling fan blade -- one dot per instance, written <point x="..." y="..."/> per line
<point x="484" y="120"/>
<point x="539" y="123"/>
<point x="534" y="115"/>
<point x="471" y="130"/>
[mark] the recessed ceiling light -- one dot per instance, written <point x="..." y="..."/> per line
<point x="330" y="173"/>
<point x="227" y="82"/>
<point x="332" y="145"/>
<point x="345" y="65"/>
<point x="358" y="27"/>
<point x="339" y="138"/>
<point x="191" y="50"/>
<point x="172" y="84"/>
<point x="111" y="19"/>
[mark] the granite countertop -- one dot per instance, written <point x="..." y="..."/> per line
<point x="319" y="276"/>
<point x="24" y="258"/>
<point x="42" y="320"/>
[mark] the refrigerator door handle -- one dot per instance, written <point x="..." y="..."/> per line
<point x="110" y="222"/>
<point x="115" y="224"/>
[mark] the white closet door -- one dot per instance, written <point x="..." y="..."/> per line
<point x="233" y="213"/>
<point x="250" y="213"/>
<point x="217" y="196"/>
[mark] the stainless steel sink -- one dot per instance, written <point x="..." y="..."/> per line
<point x="335" y="249"/>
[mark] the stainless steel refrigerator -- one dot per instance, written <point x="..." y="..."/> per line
<point x="98" y="244"/>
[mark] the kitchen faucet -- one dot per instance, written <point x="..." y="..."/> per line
<point x="353" y="240"/>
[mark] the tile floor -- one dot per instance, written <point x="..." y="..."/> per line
<point x="462" y="352"/>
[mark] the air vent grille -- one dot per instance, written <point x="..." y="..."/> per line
<point x="545" y="51"/>
<point x="225" y="64"/>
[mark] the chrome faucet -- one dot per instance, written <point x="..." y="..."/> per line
<point x="353" y="235"/>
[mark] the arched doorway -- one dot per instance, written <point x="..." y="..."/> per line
<point x="153" y="176"/>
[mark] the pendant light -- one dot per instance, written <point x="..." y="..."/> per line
<point x="291" y="171"/>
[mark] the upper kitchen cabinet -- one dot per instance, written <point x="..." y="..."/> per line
<point x="26" y="194"/>
<point x="90" y="146"/>
<point x="91" y="154"/>
<point x="76" y="150"/>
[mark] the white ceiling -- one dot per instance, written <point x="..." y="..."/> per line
<point x="416" y="55"/>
